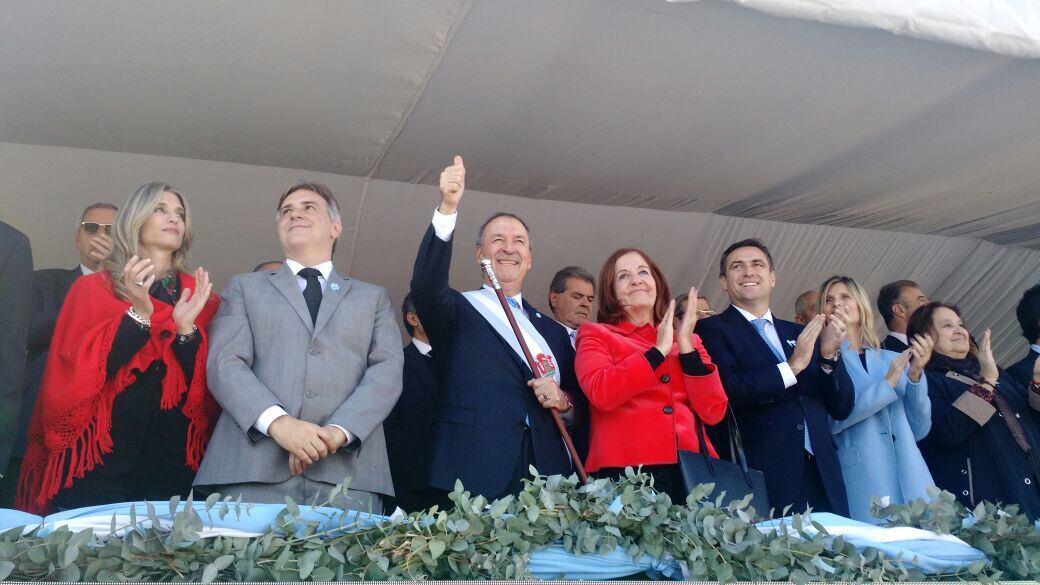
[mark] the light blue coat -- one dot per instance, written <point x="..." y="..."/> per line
<point x="877" y="443"/>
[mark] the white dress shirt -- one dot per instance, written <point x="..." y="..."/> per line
<point x="268" y="416"/>
<point x="423" y="347"/>
<point x="1035" y="347"/>
<point x="785" y="369"/>
<point x="900" y="337"/>
<point x="86" y="271"/>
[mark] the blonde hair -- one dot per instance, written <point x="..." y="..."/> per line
<point x="126" y="232"/>
<point x="868" y="334"/>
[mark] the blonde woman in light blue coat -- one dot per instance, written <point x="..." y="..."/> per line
<point x="877" y="443"/>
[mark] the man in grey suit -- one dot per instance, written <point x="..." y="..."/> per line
<point x="15" y="286"/>
<point x="306" y="365"/>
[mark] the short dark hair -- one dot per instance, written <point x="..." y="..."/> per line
<point x="610" y="310"/>
<point x="408" y="306"/>
<point x="920" y="321"/>
<point x="748" y="243"/>
<point x="559" y="280"/>
<point x="483" y="226"/>
<point x="802" y="302"/>
<point x="94" y="206"/>
<point x="680" y="302"/>
<point x="1028" y="312"/>
<point x="889" y="295"/>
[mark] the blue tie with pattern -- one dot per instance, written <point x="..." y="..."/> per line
<point x="760" y="326"/>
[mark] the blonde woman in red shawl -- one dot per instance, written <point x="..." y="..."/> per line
<point x="123" y="412"/>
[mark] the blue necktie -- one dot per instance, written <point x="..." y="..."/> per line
<point x="760" y="326"/>
<point x="512" y="303"/>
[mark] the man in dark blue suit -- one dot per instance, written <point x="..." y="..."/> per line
<point x="493" y="419"/>
<point x="779" y="392"/>
<point x="1028" y="313"/>
<point x="410" y="425"/>
<point x="896" y="301"/>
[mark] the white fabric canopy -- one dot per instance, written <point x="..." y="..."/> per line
<point x="1008" y="27"/>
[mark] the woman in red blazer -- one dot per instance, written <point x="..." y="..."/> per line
<point x="643" y="386"/>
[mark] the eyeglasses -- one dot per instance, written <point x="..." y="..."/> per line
<point x="92" y="227"/>
<point x="705" y="313"/>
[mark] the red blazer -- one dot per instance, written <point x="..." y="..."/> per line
<point x="638" y="416"/>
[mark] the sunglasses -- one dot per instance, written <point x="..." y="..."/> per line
<point x="92" y="227"/>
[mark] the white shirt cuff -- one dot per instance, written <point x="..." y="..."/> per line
<point x="787" y="374"/>
<point x="346" y="433"/>
<point x="267" y="417"/>
<point x="444" y="225"/>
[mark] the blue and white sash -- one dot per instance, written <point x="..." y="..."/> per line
<point x="486" y="302"/>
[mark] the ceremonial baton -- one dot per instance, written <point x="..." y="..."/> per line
<point x="486" y="265"/>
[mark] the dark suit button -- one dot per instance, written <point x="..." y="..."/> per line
<point x="668" y="410"/>
<point x="665" y="378"/>
<point x="313" y="351"/>
<point x="800" y="427"/>
<point x="164" y="335"/>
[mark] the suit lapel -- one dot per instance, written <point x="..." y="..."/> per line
<point x="285" y="281"/>
<point x="783" y="333"/>
<point x="335" y="289"/>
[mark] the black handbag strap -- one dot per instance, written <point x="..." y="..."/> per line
<point x="734" y="437"/>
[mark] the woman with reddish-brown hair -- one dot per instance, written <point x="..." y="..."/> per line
<point x="647" y="384"/>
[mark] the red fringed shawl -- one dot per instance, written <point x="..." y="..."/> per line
<point x="70" y="429"/>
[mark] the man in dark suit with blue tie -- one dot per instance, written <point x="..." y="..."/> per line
<point x="779" y="392"/>
<point x="410" y="425"/>
<point x="493" y="419"/>
<point x="1028" y="313"/>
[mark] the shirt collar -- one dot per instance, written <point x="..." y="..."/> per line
<point x="423" y="347"/>
<point x="325" y="268"/>
<point x="518" y="297"/>
<point x="768" y="316"/>
<point x="1035" y="347"/>
<point x="899" y="336"/>
<point x="84" y="270"/>
<point x="570" y="330"/>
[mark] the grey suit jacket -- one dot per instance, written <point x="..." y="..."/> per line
<point x="345" y="369"/>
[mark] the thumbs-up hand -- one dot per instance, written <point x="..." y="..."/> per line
<point x="453" y="183"/>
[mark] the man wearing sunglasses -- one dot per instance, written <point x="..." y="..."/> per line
<point x="49" y="288"/>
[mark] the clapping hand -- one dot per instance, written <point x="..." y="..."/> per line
<point x="986" y="361"/>
<point x="895" y="370"/>
<point x="665" y="331"/>
<point x="921" y="347"/>
<point x="834" y="332"/>
<point x="138" y="276"/>
<point x="190" y="305"/>
<point x="453" y="184"/>
<point x="803" y="348"/>
<point x="688" y="323"/>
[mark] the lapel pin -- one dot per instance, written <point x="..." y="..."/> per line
<point x="539" y="315"/>
<point x="334" y="286"/>
<point x="790" y="342"/>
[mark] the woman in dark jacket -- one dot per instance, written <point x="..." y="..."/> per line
<point x="983" y="442"/>
<point x="643" y="380"/>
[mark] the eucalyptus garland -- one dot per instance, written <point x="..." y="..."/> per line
<point x="711" y="539"/>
